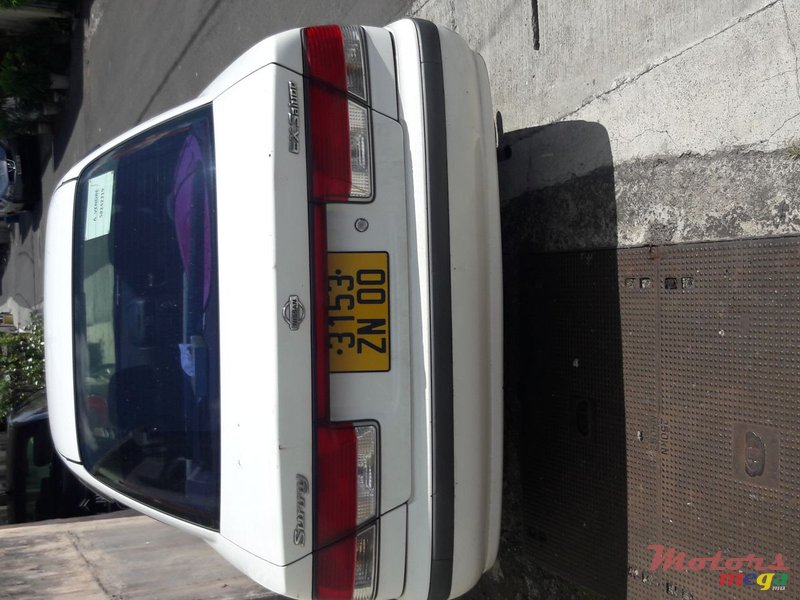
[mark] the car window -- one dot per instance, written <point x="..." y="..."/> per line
<point x="146" y="319"/>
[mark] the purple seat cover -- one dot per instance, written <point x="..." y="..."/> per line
<point x="189" y="160"/>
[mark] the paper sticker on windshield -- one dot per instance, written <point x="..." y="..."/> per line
<point x="98" y="205"/>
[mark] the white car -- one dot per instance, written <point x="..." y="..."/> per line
<point x="273" y="315"/>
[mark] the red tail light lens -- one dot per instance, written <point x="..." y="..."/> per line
<point x="348" y="569"/>
<point x="346" y="479"/>
<point x="335" y="483"/>
<point x="341" y="149"/>
<point x="325" y="55"/>
<point x="319" y="322"/>
<point x="333" y="570"/>
<point x="330" y="139"/>
<point x="345" y="498"/>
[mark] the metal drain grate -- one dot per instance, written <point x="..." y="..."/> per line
<point x="698" y="346"/>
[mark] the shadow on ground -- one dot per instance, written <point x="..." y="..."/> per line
<point x="64" y="125"/>
<point x="564" y="529"/>
<point x="30" y="156"/>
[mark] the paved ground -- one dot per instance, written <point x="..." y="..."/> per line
<point x="115" y="557"/>
<point x="664" y="78"/>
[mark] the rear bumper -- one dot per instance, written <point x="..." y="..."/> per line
<point x="446" y="108"/>
<point x="441" y="317"/>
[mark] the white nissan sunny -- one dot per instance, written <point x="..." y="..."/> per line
<point x="273" y="315"/>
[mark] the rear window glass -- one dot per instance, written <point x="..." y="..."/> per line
<point x="146" y="319"/>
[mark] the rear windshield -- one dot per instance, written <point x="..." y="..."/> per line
<point x="146" y="319"/>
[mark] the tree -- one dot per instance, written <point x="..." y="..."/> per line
<point x="21" y="365"/>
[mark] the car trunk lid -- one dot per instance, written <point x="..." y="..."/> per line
<point x="269" y="379"/>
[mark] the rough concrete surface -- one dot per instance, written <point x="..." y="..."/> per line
<point x="629" y="85"/>
<point x="117" y="557"/>
<point x="705" y="198"/>
<point x="722" y="196"/>
<point x="738" y="89"/>
<point x="662" y="77"/>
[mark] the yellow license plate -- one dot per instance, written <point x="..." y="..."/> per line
<point x="358" y="311"/>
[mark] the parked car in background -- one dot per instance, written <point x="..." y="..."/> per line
<point x="273" y="315"/>
<point x="11" y="198"/>
<point x="39" y="486"/>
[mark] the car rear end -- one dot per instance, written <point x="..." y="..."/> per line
<point x="315" y="327"/>
<point x="359" y="266"/>
<point x="356" y="262"/>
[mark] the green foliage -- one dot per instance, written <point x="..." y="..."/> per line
<point x="793" y="151"/>
<point x="26" y="62"/>
<point x="23" y="76"/>
<point x="21" y="365"/>
<point x="11" y="3"/>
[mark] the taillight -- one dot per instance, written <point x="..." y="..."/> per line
<point x="339" y="120"/>
<point x="347" y="569"/>
<point x="345" y="454"/>
<point x="345" y="499"/>
<point x="346" y="480"/>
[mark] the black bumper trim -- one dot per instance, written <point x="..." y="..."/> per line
<point x="442" y="499"/>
